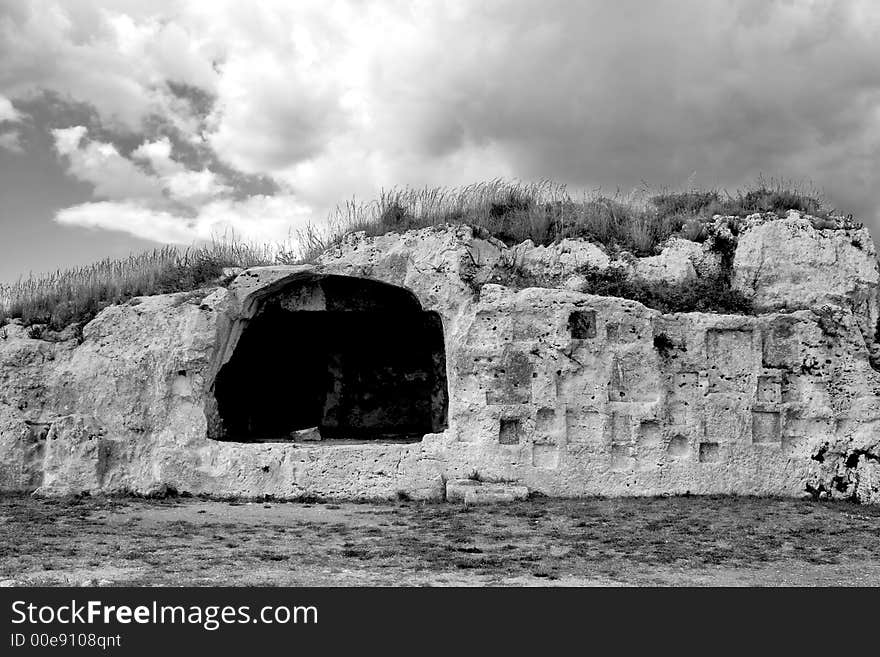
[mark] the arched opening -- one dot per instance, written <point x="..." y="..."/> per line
<point x="335" y="358"/>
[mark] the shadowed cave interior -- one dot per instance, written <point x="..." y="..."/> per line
<point x="351" y="358"/>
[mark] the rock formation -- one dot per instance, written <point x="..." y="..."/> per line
<point x="412" y="364"/>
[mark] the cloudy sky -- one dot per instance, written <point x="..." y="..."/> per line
<point x="126" y="124"/>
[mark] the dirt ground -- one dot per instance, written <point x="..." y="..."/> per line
<point x="726" y="541"/>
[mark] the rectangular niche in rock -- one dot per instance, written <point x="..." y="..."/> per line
<point x="510" y="431"/>
<point x="582" y="324"/>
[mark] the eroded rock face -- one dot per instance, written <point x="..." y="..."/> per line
<point x="788" y="263"/>
<point x="75" y="455"/>
<point x="551" y="389"/>
<point x="676" y="263"/>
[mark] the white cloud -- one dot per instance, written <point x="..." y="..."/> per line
<point x="118" y="59"/>
<point x="67" y="140"/>
<point x="184" y="185"/>
<point x="270" y="114"/>
<point x="171" y="204"/>
<point x="8" y="112"/>
<point x="112" y="175"/>
<point x="268" y="219"/>
<point x="130" y="217"/>
<point x="11" y="141"/>
<point x="117" y="178"/>
<point x="194" y="187"/>
<point x="158" y="154"/>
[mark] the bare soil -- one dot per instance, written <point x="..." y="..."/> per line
<point x="636" y="541"/>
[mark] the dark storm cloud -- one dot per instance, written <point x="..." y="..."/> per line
<point x="614" y="93"/>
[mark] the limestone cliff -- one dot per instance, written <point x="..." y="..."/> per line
<point x="550" y="387"/>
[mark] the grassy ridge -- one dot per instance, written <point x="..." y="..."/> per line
<point x="546" y="212"/>
<point x="543" y="212"/>
<point x="68" y="296"/>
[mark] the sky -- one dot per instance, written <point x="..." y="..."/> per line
<point x="125" y="125"/>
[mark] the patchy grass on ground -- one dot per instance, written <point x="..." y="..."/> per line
<point x="647" y="541"/>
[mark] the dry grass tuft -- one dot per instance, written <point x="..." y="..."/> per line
<point x="71" y="296"/>
<point x="546" y="212"/>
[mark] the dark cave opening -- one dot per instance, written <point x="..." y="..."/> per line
<point x="351" y="358"/>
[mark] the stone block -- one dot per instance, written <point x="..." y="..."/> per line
<point x="686" y="383"/>
<point x="75" y="456"/>
<point x="545" y="457"/>
<point x="727" y="418"/>
<point x="620" y="428"/>
<point x="633" y="378"/>
<point x="780" y="346"/>
<point x="766" y="427"/>
<point x="769" y="389"/>
<point x="622" y="458"/>
<point x="545" y="420"/>
<point x="730" y="352"/>
<point x="584" y="426"/>
<point x="471" y="491"/>
<point x="511" y="381"/>
<point x="628" y="329"/>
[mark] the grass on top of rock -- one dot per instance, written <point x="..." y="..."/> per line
<point x="75" y="296"/>
<point x="513" y="212"/>
<point x="545" y="212"/>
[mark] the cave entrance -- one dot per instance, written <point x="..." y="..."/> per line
<point x="335" y="358"/>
